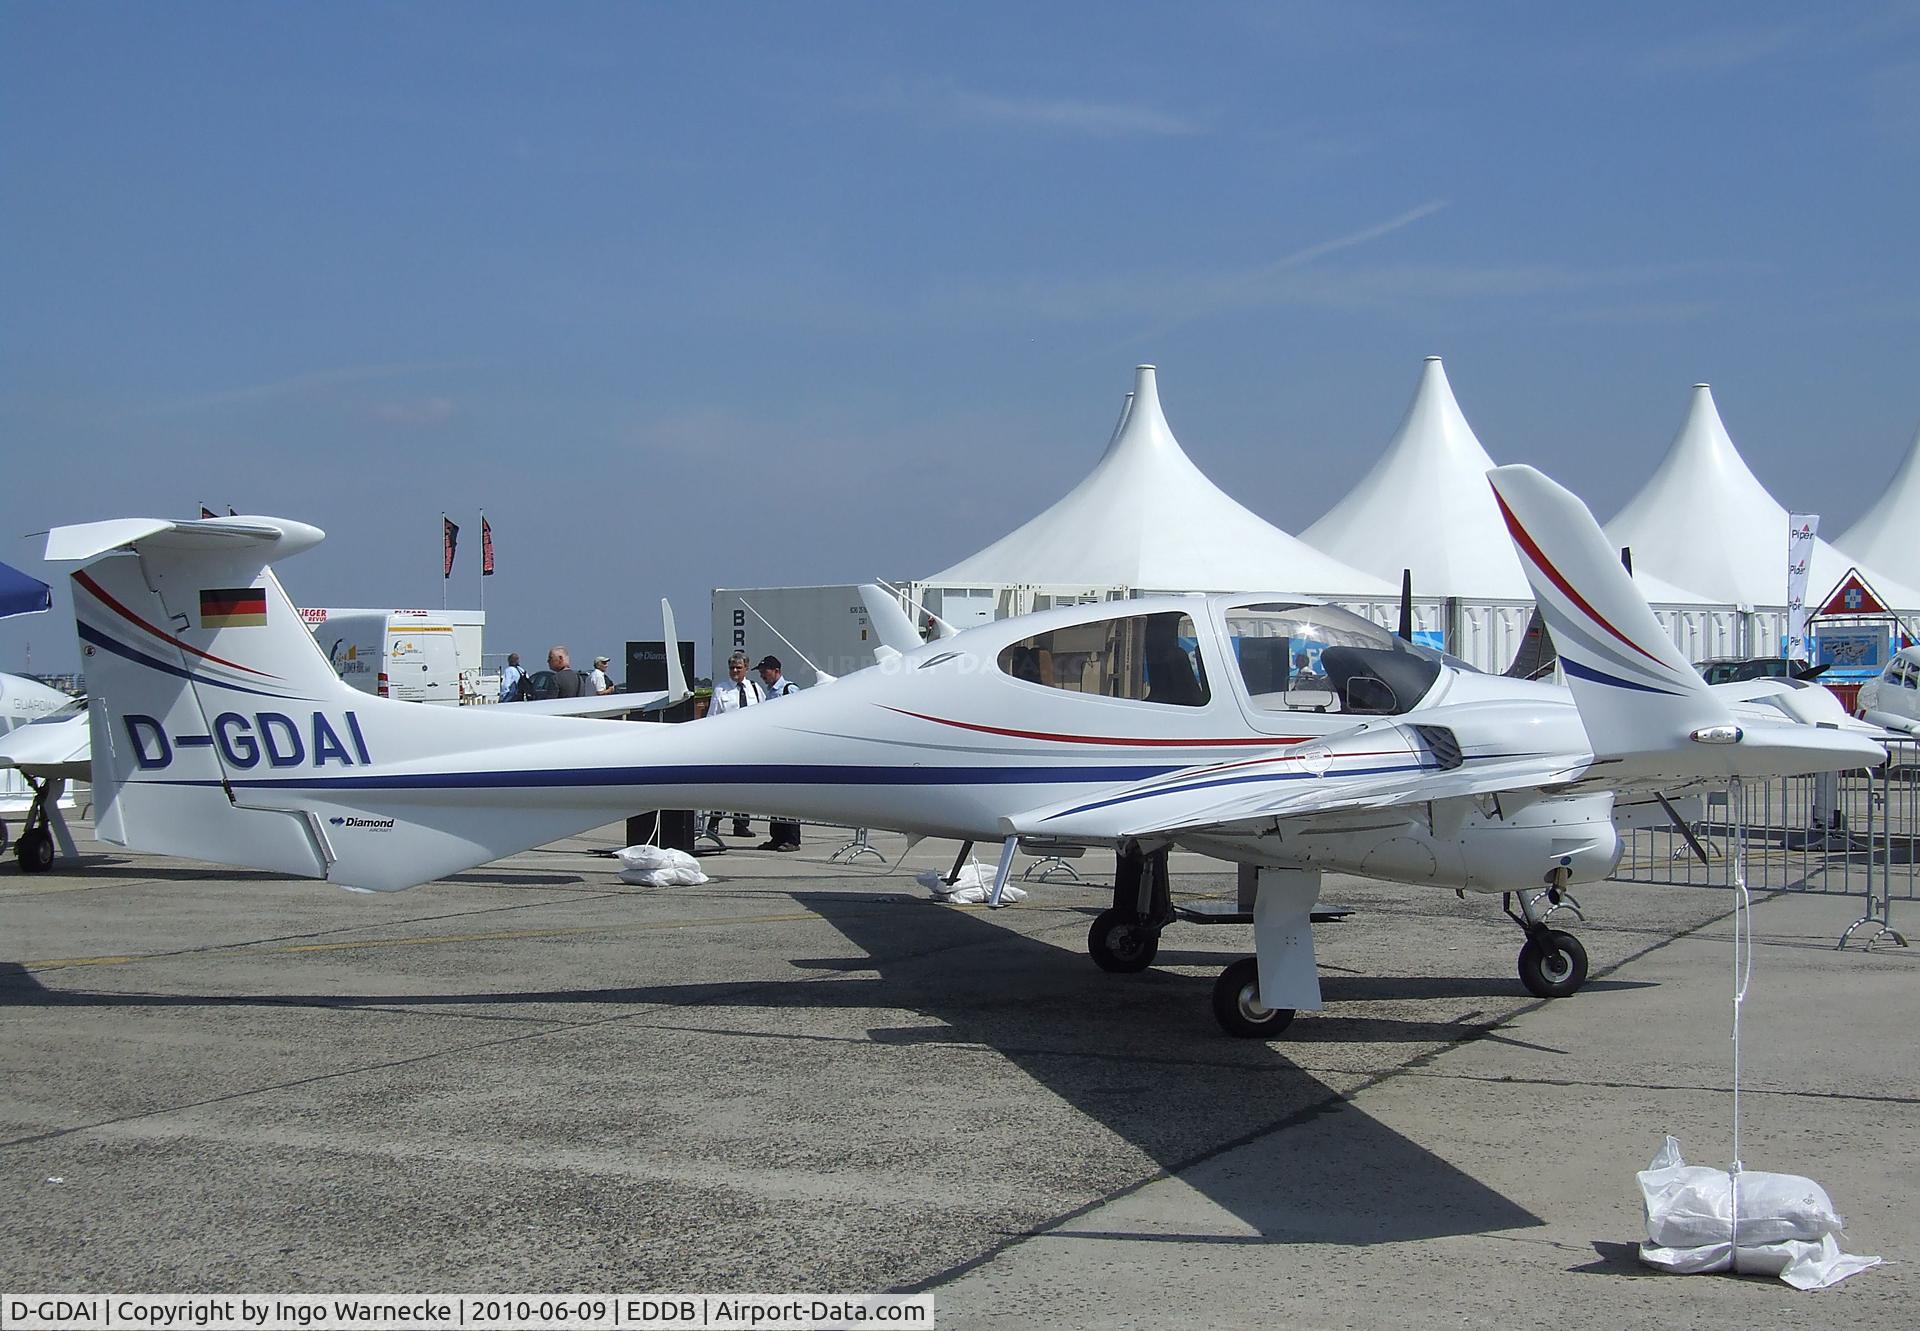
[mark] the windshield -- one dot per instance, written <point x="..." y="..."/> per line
<point x="1319" y="658"/>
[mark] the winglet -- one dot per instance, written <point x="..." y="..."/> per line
<point x="1636" y="693"/>
<point x="677" y="690"/>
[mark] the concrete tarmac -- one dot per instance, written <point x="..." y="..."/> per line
<point x="807" y="1077"/>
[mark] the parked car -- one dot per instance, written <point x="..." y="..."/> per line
<point x="1735" y="669"/>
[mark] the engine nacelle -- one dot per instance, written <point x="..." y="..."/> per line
<point x="1463" y="843"/>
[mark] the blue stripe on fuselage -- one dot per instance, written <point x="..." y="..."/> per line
<point x="784" y="774"/>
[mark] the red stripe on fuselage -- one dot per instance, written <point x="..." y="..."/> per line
<point x="1268" y="740"/>
<point x="101" y="594"/>
<point x="1545" y="566"/>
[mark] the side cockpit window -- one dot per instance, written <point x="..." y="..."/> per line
<point x="1139" y="658"/>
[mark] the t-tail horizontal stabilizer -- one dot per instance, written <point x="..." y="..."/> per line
<point x="1646" y="711"/>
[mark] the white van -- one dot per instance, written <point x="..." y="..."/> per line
<point x="403" y="654"/>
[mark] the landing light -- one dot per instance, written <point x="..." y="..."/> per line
<point x="1716" y="735"/>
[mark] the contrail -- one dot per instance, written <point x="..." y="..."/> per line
<point x="1361" y="237"/>
<point x="1297" y="259"/>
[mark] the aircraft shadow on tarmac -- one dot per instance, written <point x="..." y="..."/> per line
<point x="1265" y="1140"/>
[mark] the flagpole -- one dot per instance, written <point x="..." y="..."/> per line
<point x="483" y="561"/>
<point x="443" y="559"/>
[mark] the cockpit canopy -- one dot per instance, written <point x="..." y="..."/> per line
<point x="1291" y="657"/>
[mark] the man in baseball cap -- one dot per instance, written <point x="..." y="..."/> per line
<point x="780" y="836"/>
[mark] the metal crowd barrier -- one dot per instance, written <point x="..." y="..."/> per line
<point x="1848" y="834"/>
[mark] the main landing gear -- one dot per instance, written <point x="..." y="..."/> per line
<point x="1553" y="964"/>
<point x="1237" y="1006"/>
<point x="1126" y="937"/>
<point x="34" y="848"/>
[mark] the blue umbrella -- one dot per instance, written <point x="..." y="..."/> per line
<point x="22" y="595"/>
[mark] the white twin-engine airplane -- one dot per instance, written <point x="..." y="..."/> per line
<point x="1275" y="732"/>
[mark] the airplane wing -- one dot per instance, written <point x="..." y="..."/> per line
<point x="601" y="704"/>
<point x="613" y="704"/>
<point x="56" y="746"/>
<point x="1357" y="771"/>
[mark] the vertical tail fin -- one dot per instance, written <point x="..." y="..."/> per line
<point x="1636" y="693"/>
<point x="221" y="732"/>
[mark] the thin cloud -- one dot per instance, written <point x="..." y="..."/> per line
<point x="418" y="412"/>
<point x="293" y="386"/>
<point x="948" y="103"/>
<point x="1719" y="52"/>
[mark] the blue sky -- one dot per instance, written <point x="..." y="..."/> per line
<point x="688" y="296"/>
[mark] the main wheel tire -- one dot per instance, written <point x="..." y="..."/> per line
<point x="1237" y="1006"/>
<point x="1554" y="965"/>
<point x="35" y="851"/>
<point x="5" y="836"/>
<point x="1118" y="942"/>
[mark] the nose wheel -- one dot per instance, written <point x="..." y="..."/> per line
<point x="1553" y="963"/>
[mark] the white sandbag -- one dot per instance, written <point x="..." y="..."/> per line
<point x="1802" y="1265"/>
<point x="1787" y="1224"/>
<point x="972" y="886"/>
<point x="656" y="866"/>
<point x="1688" y="1205"/>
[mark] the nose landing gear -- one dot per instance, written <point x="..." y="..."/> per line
<point x="1553" y="964"/>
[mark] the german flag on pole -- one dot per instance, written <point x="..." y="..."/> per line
<point x="233" y="608"/>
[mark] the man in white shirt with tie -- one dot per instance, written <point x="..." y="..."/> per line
<point x="730" y="695"/>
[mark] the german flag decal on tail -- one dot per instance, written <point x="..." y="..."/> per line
<point x="233" y="608"/>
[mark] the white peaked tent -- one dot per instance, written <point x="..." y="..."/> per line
<point x="1704" y="521"/>
<point x="1887" y="536"/>
<point x="1426" y="506"/>
<point x="1147" y="519"/>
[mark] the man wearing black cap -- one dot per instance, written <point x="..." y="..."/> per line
<point x="780" y="836"/>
